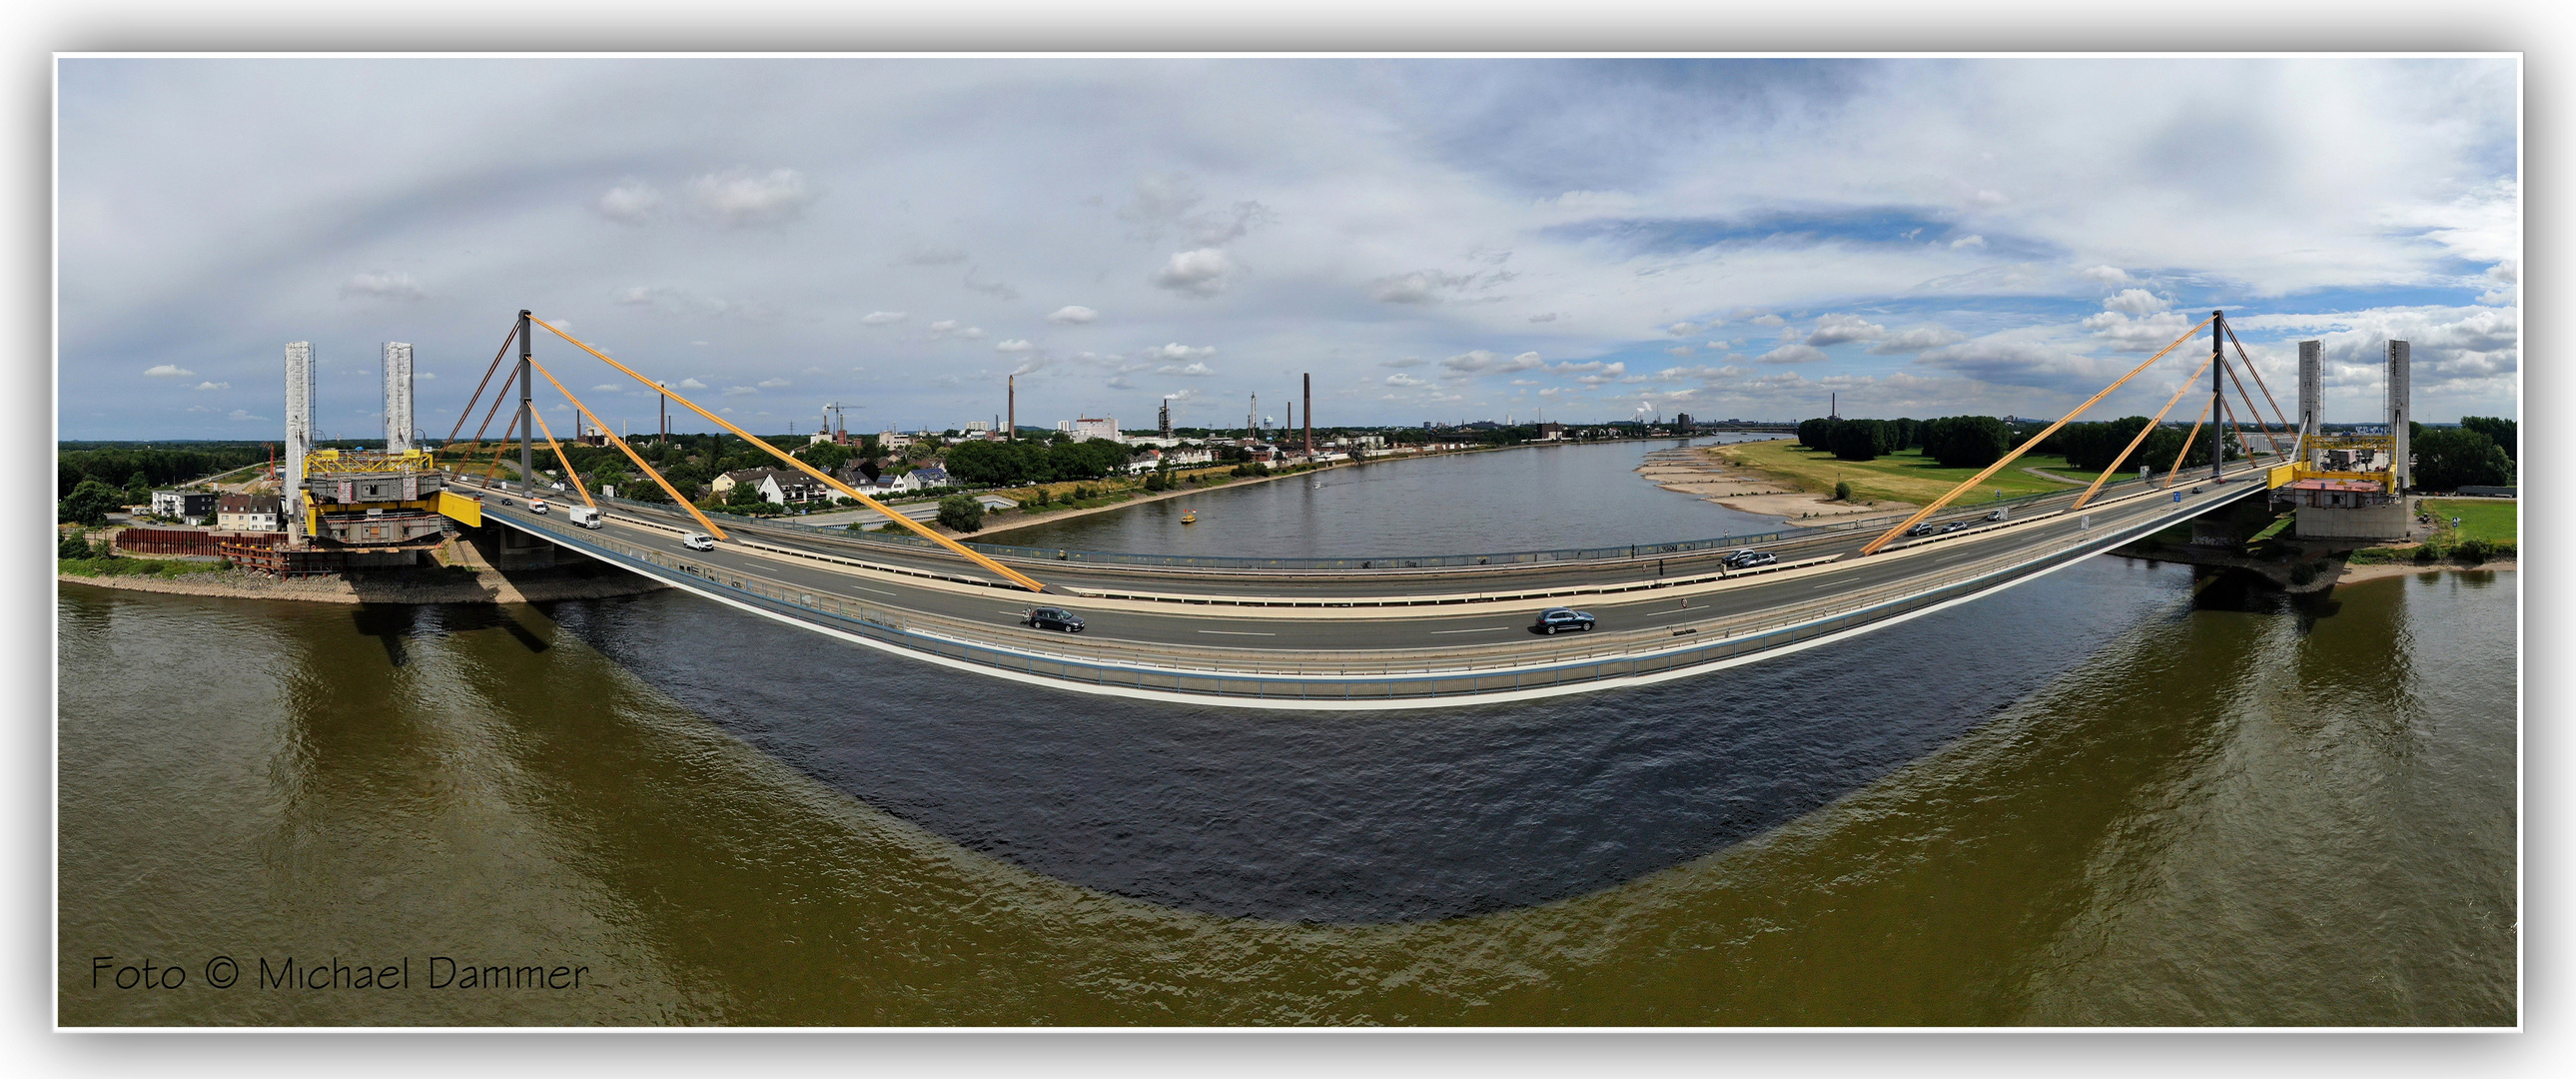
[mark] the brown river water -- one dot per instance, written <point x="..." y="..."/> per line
<point x="2112" y="796"/>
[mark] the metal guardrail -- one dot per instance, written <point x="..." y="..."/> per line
<point x="1560" y="556"/>
<point x="1354" y="675"/>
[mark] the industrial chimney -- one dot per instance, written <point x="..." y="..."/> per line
<point x="299" y="436"/>
<point x="397" y="375"/>
<point x="2312" y="386"/>
<point x="1011" y="406"/>
<point x="2401" y="414"/>
<point x="1310" y="413"/>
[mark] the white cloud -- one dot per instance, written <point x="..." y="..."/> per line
<point x="1916" y="339"/>
<point x="1681" y="350"/>
<point x="1408" y="361"/>
<point x="1968" y="241"/>
<point x="244" y="414"/>
<point x="2136" y="301"/>
<point x="425" y="374"/>
<point x="1549" y="316"/>
<point x="633" y="202"/>
<point x="1404" y="380"/>
<point x="1481" y="361"/>
<point x="2138" y="334"/>
<point x="214" y="385"/>
<point x="1418" y="287"/>
<point x="950" y="328"/>
<point x="168" y="370"/>
<point x="1203" y="272"/>
<point x="2108" y="275"/>
<point x="1074" y="314"/>
<point x="1770" y="320"/>
<point x="1683" y="329"/>
<point x="775" y="384"/>
<point x="739" y="391"/>
<point x="608" y="387"/>
<point x="1177" y="351"/>
<point x="689" y="384"/>
<point x="740" y="196"/>
<point x="875" y="318"/>
<point x="1836" y="329"/>
<point x="1013" y="345"/>
<point x="1194" y="370"/>
<point x="1796" y="353"/>
<point x="383" y="286"/>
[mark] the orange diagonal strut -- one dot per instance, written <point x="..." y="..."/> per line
<point x="1014" y="576"/>
<point x="631" y="455"/>
<point x="2034" y="440"/>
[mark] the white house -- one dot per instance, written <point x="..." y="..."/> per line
<point x="248" y="513"/>
<point x="791" y="488"/>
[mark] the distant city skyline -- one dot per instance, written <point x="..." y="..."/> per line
<point x="1447" y="239"/>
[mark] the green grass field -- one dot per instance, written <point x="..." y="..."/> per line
<point x="2491" y="520"/>
<point x="1907" y="476"/>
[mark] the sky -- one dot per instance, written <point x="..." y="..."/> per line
<point x="1431" y="239"/>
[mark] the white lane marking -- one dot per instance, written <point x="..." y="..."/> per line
<point x="1234" y="633"/>
<point x="881" y="593"/>
<point x="1479" y="629"/>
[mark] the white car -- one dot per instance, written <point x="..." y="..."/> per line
<point x="698" y="541"/>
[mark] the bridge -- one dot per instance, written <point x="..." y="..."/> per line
<point x="1343" y="634"/>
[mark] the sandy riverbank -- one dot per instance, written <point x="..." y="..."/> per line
<point x="535" y="586"/>
<point x="1714" y="479"/>
<point x="2353" y="574"/>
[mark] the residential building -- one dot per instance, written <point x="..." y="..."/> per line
<point x="1551" y="432"/>
<point x="190" y="506"/>
<point x="725" y="483"/>
<point x="1086" y="428"/>
<point x="893" y="440"/>
<point x="928" y="476"/>
<point x="790" y="488"/>
<point x="249" y="513"/>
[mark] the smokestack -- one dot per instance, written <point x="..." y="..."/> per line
<point x="2312" y="386"/>
<point x="1011" y="405"/>
<point x="299" y="435"/>
<point x="2401" y="413"/>
<point x="1309" y="379"/>
<point x="397" y="375"/>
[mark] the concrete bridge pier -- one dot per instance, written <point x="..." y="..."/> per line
<point x="508" y="549"/>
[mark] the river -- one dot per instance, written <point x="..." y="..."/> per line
<point x="2105" y="797"/>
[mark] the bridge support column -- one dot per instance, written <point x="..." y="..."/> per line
<point x="509" y="549"/>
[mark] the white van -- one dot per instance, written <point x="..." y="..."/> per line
<point x="585" y="516"/>
<point x="536" y="505"/>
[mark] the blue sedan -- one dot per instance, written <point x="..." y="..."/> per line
<point x="1553" y="619"/>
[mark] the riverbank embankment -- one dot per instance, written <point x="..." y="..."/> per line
<point x="421" y="586"/>
<point x="1703" y="473"/>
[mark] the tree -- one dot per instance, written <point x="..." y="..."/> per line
<point x="2496" y="428"/>
<point x="75" y="544"/>
<point x="88" y="503"/>
<point x="1858" y="440"/>
<point x="2447" y="459"/>
<point x="744" y="493"/>
<point x="1842" y="491"/>
<point x="1965" y="441"/>
<point x="961" y="513"/>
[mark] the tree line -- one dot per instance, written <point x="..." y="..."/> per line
<point x="1954" y="441"/>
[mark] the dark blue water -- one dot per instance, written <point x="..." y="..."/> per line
<point x="1375" y="816"/>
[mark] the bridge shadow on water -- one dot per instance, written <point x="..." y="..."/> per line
<point x="1378" y="816"/>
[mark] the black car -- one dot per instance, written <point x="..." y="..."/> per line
<point x="1924" y="529"/>
<point x="1053" y="618"/>
<point x="1554" y="619"/>
<point x="507" y="502"/>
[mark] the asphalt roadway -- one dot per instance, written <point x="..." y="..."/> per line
<point x="1483" y="606"/>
